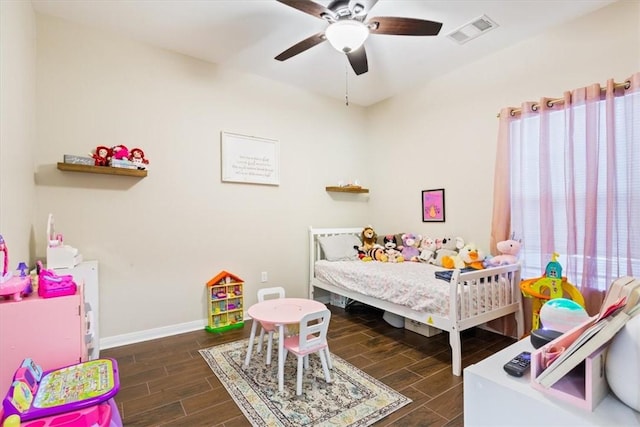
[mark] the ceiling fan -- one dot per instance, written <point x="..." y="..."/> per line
<point x="349" y="28"/>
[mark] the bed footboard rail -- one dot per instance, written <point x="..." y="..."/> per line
<point x="483" y="295"/>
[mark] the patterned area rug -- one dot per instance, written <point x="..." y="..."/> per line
<point x="352" y="399"/>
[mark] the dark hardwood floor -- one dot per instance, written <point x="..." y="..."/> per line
<point x="165" y="382"/>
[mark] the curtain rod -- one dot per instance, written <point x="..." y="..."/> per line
<point x="552" y="102"/>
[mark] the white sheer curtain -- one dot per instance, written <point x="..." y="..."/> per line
<point x="574" y="185"/>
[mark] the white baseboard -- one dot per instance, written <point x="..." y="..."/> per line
<point x="151" y="334"/>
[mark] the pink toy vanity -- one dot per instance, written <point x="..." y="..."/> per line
<point x="12" y="284"/>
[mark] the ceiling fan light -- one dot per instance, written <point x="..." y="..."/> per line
<point x="347" y="36"/>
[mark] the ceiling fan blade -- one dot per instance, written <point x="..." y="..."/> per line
<point x="300" y="47"/>
<point x="311" y="8"/>
<point x="403" y="26"/>
<point x="358" y="61"/>
<point x="361" y="8"/>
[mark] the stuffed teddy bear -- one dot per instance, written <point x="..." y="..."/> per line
<point x="410" y="244"/>
<point x="509" y="251"/>
<point x="447" y="253"/>
<point x="472" y="257"/>
<point x="427" y="249"/>
<point x="390" y="249"/>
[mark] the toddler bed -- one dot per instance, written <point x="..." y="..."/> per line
<point x="412" y="289"/>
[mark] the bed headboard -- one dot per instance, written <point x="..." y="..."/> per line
<point x="315" y="252"/>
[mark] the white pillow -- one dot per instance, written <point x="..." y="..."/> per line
<point x="339" y="247"/>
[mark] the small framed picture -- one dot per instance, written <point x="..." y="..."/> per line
<point x="433" y="205"/>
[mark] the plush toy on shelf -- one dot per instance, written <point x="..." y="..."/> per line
<point x="390" y="249"/>
<point x="102" y="156"/>
<point x="410" y="244"/>
<point x="120" y="152"/>
<point x="136" y="155"/>
<point x="509" y="252"/>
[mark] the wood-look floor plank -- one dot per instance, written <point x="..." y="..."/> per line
<point x="165" y="382"/>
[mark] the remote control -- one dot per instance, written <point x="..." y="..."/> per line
<point x="519" y="364"/>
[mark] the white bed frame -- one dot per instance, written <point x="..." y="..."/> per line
<point x="462" y="313"/>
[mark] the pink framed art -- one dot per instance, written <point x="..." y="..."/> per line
<point x="433" y="205"/>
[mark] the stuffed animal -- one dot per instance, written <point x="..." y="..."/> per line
<point x="509" y="251"/>
<point x="120" y="152"/>
<point x="102" y="156"/>
<point x="447" y="254"/>
<point x="410" y="244"/>
<point x="136" y="155"/>
<point x="472" y="257"/>
<point x="370" y="249"/>
<point x="427" y="249"/>
<point x="375" y="254"/>
<point x="390" y="249"/>
<point x="369" y="239"/>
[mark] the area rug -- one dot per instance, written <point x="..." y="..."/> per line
<point x="353" y="398"/>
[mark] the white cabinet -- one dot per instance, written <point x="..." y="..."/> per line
<point x="87" y="272"/>
<point x="494" y="398"/>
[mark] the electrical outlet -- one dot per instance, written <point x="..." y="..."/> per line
<point x="263" y="277"/>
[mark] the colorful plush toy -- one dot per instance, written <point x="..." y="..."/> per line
<point x="120" y="152"/>
<point x="136" y="155"/>
<point x="472" y="257"/>
<point x="102" y="156"/>
<point x="447" y="253"/>
<point x="370" y="249"/>
<point x="390" y="249"/>
<point x="375" y="254"/>
<point x="410" y="244"/>
<point x="427" y="249"/>
<point x="509" y="251"/>
<point x="369" y="239"/>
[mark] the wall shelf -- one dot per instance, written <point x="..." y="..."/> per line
<point x="107" y="170"/>
<point x="347" y="189"/>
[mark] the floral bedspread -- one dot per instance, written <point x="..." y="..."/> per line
<point x="411" y="284"/>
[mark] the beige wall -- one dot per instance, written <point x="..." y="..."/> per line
<point x="445" y="132"/>
<point x="17" y="128"/>
<point x="159" y="239"/>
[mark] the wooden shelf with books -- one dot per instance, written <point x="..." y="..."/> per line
<point x="106" y="170"/>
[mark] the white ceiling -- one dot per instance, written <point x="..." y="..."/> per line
<point x="248" y="34"/>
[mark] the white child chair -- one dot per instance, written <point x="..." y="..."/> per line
<point x="312" y="339"/>
<point x="269" y="328"/>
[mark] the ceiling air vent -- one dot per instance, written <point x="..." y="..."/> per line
<point x="473" y="29"/>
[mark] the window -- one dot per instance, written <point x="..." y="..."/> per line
<point x="575" y="189"/>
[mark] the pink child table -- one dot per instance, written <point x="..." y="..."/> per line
<point x="280" y="312"/>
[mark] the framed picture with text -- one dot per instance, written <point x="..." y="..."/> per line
<point x="249" y="159"/>
<point x="433" y="205"/>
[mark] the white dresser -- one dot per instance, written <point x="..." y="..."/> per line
<point x="494" y="398"/>
<point x="87" y="272"/>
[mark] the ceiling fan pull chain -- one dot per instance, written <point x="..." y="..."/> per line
<point x="346" y="85"/>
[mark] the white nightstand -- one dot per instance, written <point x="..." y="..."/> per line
<point x="494" y="398"/>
